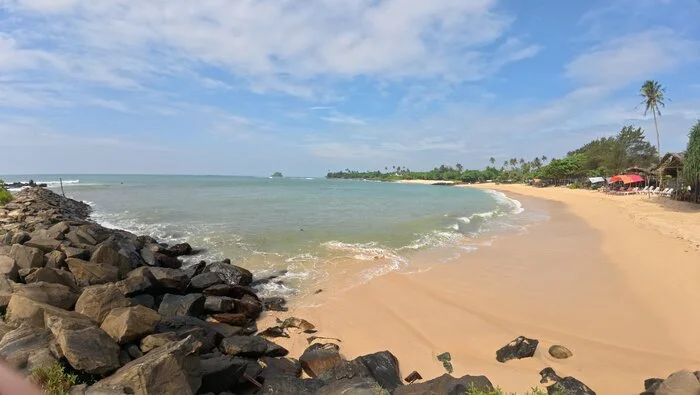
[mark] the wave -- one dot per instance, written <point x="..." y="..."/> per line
<point x="515" y="207"/>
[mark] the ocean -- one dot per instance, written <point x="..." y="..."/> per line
<point x="300" y="229"/>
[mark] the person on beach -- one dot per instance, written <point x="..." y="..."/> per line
<point x="13" y="383"/>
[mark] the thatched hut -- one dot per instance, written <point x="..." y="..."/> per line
<point x="670" y="165"/>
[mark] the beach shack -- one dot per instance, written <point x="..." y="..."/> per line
<point x="669" y="167"/>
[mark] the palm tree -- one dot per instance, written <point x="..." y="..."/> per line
<point x="544" y="158"/>
<point x="652" y="93"/>
<point x="459" y="167"/>
<point x="492" y="160"/>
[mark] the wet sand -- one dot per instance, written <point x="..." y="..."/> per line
<point x="617" y="290"/>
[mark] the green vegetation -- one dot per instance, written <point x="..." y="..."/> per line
<point x="691" y="167"/>
<point x="53" y="380"/>
<point x="5" y="196"/>
<point x="498" y="391"/>
<point x="277" y="174"/>
<point x="653" y="96"/>
<point x="601" y="157"/>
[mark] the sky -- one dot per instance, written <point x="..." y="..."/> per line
<point x="250" y="87"/>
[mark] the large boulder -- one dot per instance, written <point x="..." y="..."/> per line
<point x="219" y="304"/>
<point x="134" y="285"/>
<point x="280" y="367"/>
<point x="8" y="268"/>
<point x="55" y="260"/>
<point x="156" y="340"/>
<point x="172" y="369"/>
<point x="23" y="310"/>
<point x="27" y="257"/>
<point x="54" y="294"/>
<point x="87" y="273"/>
<point x="278" y="385"/>
<point x="107" y="254"/>
<point x="74" y="252"/>
<point x="232" y="274"/>
<point x="231" y="319"/>
<point x="184" y="326"/>
<point x="19" y="345"/>
<point x="169" y="279"/>
<point x="567" y="385"/>
<point x="680" y="383"/>
<point x="522" y="347"/>
<point x="447" y="385"/>
<point x="190" y="304"/>
<point x="221" y="373"/>
<point x="126" y="324"/>
<point x="376" y="370"/>
<point x="89" y="349"/>
<point x="251" y="346"/>
<point x="46" y="245"/>
<point x="163" y="260"/>
<point x="250" y="306"/>
<point x="144" y="300"/>
<point x="179" y="250"/>
<point x="319" y="358"/>
<point x="98" y="300"/>
<point x="203" y="281"/>
<point x="50" y="275"/>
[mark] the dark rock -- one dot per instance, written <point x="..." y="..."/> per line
<point x="134" y="351"/>
<point x="163" y="260"/>
<point x="560" y="352"/>
<point x="144" y="300"/>
<point x="319" y="358"/>
<point x="124" y="357"/>
<point x="109" y="255"/>
<point x="45" y="245"/>
<point x="222" y="372"/>
<point x="231" y="319"/>
<point x="134" y="285"/>
<point x="233" y="291"/>
<point x="186" y="325"/>
<point x="90" y="350"/>
<point x="19" y="237"/>
<point x="275" y="331"/>
<point x="27" y="257"/>
<point x="522" y="347"/>
<point x="205" y="280"/>
<point x="681" y="382"/>
<point x="447" y="385"/>
<point x="379" y="369"/>
<point x="219" y="304"/>
<point x="169" y="279"/>
<point x="651" y="386"/>
<point x="156" y="340"/>
<point x="9" y="268"/>
<point x="384" y="368"/>
<point x="280" y="367"/>
<point x="190" y="304"/>
<point x="53" y="294"/>
<point x="274" y="303"/>
<point x="55" y="260"/>
<point x="195" y="269"/>
<point x="251" y="346"/>
<point x="46" y="234"/>
<point x="54" y="276"/>
<point x="126" y="324"/>
<point x="294" y="322"/>
<point x="226" y="330"/>
<point x="446" y="360"/>
<point x="358" y="385"/>
<point x="21" y="309"/>
<point x="250" y="306"/>
<point x="59" y="229"/>
<point x="179" y="250"/>
<point x="19" y="345"/>
<point x="171" y="369"/>
<point x="566" y="385"/>
<point x="98" y="300"/>
<point x="148" y="256"/>
<point x="278" y="385"/>
<point x="87" y="273"/>
<point x="77" y="253"/>
<point x="232" y="274"/>
<point x="414" y="376"/>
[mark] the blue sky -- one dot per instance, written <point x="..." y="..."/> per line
<point x="248" y="87"/>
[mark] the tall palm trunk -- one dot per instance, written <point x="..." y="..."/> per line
<point x="658" y="148"/>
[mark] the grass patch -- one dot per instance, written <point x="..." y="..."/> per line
<point x="54" y="380"/>
<point x="5" y="196"/>
<point x="498" y="391"/>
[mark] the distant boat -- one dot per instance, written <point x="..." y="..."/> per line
<point x="277" y="174"/>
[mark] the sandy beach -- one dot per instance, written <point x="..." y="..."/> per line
<point x="613" y="278"/>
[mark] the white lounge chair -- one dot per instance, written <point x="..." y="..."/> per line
<point x="654" y="191"/>
<point x="667" y="193"/>
<point x="643" y="191"/>
<point x="662" y="192"/>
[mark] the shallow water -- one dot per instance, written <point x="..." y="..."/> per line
<point x="299" y="226"/>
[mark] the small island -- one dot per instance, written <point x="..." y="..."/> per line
<point x="277" y="174"/>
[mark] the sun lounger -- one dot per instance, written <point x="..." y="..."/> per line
<point x="662" y="192"/>
<point x="632" y="191"/>
<point x="667" y="193"/>
<point x="642" y="191"/>
<point x="654" y="190"/>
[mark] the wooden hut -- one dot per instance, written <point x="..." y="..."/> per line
<point x="670" y="165"/>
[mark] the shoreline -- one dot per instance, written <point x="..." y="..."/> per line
<point x="604" y="305"/>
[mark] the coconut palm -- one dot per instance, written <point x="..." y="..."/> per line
<point x="653" y="93"/>
<point x="492" y="160"/>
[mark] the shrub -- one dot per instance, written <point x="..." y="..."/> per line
<point x="53" y="380"/>
<point x="498" y="391"/>
<point x="5" y="196"/>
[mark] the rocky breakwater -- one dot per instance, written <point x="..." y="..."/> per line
<point x="121" y="313"/>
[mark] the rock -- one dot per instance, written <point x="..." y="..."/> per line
<point x="134" y="351"/>
<point x="226" y="330"/>
<point x="651" y="386"/>
<point x="163" y="260"/>
<point x="147" y="256"/>
<point x="232" y="274"/>
<point x="184" y="326"/>
<point x="109" y="255"/>
<point x="179" y="250"/>
<point x="19" y="345"/>
<point x="77" y="253"/>
<point x="156" y="340"/>
<point x="448" y="385"/>
<point x="87" y="273"/>
<point x="294" y="322"/>
<point x="560" y="352"/>
<point x="205" y="280"/>
<point x="446" y="359"/>
<point x="8" y="268"/>
<point x="90" y="350"/>
<point x="222" y="372"/>
<point x="250" y="306"/>
<point x="190" y="304"/>
<point x="251" y="346"/>
<point x="196" y="269"/>
<point x="144" y="300"/>
<point x="231" y="319"/>
<point x="134" y="285"/>
<point x="680" y="383"/>
<point x="171" y="369"/>
<point x="280" y="367"/>
<point x="80" y="237"/>
<point x="384" y="368"/>
<point x="55" y="260"/>
<point x="169" y="279"/>
<point x="98" y="300"/>
<point x="379" y="370"/>
<point x="53" y="294"/>
<point x="278" y="385"/>
<point x="27" y="257"/>
<point x="126" y="324"/>
<point x="219" y="304"/>
<point x="521" y="347"/>
<point x="50" y="275"/>
<point x="41" y="359"/>
<point x="60" y="228"/>
<point x="19" y="238"/>
<point x="565" y="386"/>
<point x="45" y="245"/>
<point x="23" y="310"/>
<point x="319" y="358"/>
<point x="414" y="376"/>
<point x="274" y="304"/>
<point x="359" y="385"/>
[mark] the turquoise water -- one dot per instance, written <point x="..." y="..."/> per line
<point x="302" y="226"/>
